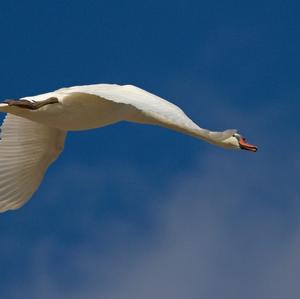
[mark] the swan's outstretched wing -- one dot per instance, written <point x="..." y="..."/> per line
<point x="166" y="113"/>
<point x="26" y="150"/>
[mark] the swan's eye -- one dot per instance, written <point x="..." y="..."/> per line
<point x="238" y="137"/>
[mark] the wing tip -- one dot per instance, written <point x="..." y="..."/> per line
<point x="11" y="206"/>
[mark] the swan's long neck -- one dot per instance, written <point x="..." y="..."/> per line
<point x="185" y="126"/>
<point x="211" y="137"/>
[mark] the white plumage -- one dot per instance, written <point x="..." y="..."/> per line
<point x="26" y="150"/>
<point x="31" y="139"/>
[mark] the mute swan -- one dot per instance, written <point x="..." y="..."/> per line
<point x="34" y="130"/>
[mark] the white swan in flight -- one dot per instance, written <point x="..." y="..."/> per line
<point x="34" y="129"/>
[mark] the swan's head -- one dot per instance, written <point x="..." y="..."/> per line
<point x="237" y="141"/>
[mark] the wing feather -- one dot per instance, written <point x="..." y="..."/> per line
<point x="27" y="149"/>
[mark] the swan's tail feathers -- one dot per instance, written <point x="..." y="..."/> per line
<point x="220" y="136"/>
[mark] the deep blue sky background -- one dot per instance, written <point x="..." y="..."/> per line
<point x="134" y="211"/>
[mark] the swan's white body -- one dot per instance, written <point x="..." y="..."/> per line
<point x="32" y="139"/>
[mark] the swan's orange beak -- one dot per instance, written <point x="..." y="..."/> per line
<point x="246" y="146"/>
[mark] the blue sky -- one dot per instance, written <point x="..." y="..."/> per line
<point x="133" y="211"/>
